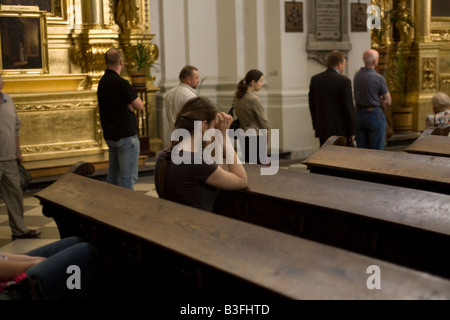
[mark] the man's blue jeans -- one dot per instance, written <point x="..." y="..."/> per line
<point x="123" y="162"/>
<point x="370" y="128"/>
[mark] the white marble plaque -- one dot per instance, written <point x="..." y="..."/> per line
<point x="328" y="23"/>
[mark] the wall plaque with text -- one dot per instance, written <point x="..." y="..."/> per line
<point x="328" y="23"/>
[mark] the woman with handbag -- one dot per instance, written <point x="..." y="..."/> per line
<point x="252" y="117"/>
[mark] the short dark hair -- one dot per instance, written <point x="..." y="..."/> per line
<point x="187" y="72"/>
<point x="112" y="57"/>
<point x="334" y="58"/>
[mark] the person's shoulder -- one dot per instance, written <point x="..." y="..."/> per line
<point x="321" y="74"/>
<point x="443" y="114"/>
<point x="374" y="74"/>
<point x="124" y="81"/>
<point x="378" y="78"/>
<point x="186" y="89"/>
<point x="171" y="90"/>
<point x="343" y="77"/>
<point x="247" y="98"/>
<point x="176" y="90"/>
<point x="161" y="156"/>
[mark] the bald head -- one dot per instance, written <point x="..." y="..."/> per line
<point x="370" y="58"/>
<point x="113" y="57"/>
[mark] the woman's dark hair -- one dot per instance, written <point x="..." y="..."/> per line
<point x="195" y="109"/>
<point x="252" y="75"/>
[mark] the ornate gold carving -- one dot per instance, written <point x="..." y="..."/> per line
<point x="127" y="14"/>
<point x="59" y="148"/>
<point x="58" y="119"/>
<point x="57" y="125"/>
<point x="90" y="57"/>
<point x="402" y="16"/>
<point x="401" y="73"/>
<point x="429" y="73"/>
<point x="55" y="107"/>
<point x="381" y="37"/>
<point x="440" y="35"/>
<point x="146" y="15"/>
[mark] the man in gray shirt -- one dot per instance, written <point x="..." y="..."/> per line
<point x="9" y="173"/>
<point x="371" y="97"/>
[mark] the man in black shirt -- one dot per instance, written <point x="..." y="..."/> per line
<point x="117" y="102"/>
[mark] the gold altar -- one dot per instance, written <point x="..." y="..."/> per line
<point x="53" y="79"/>
<point x="414" y="45"/>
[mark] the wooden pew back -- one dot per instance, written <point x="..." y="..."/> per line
<point x="401" y="225"/>
<point x="432" y="142"/>
<point x="286" y="266"/>
<point x="394" y="168"/>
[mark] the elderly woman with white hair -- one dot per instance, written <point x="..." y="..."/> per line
<point x="441" y="116"/>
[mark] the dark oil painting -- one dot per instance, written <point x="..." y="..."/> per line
<point x="21" y="42"/>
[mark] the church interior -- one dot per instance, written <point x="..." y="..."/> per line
<point x="52" y="59"/>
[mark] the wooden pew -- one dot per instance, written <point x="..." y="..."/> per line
<point x="404" y="226"/>
<point x="432" y="142"/>
<point x="153" y="245"/>
<point x="394" y="168"/>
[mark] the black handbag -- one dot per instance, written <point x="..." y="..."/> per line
<point x="235" y="124"/>
<point x="30" y="288"/>
<point x="25" y="176"/>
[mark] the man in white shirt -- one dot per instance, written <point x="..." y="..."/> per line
<point x="184" y="91"/>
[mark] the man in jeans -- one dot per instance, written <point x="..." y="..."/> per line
<point x="117" y="102"/>
<point x="372" y="97"/>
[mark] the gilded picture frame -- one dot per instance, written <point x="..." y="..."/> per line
<point x="23" y="42"/>
<point x="359" y="17"/>
<point x="44" y="5"/>
<point x="293" y="16"/>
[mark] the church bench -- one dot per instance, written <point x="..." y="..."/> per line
<point x="162" y="249"/>
<point x="432" y="142"/>
<point x="394" y="168"/>
<point x="404" y="226"/>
